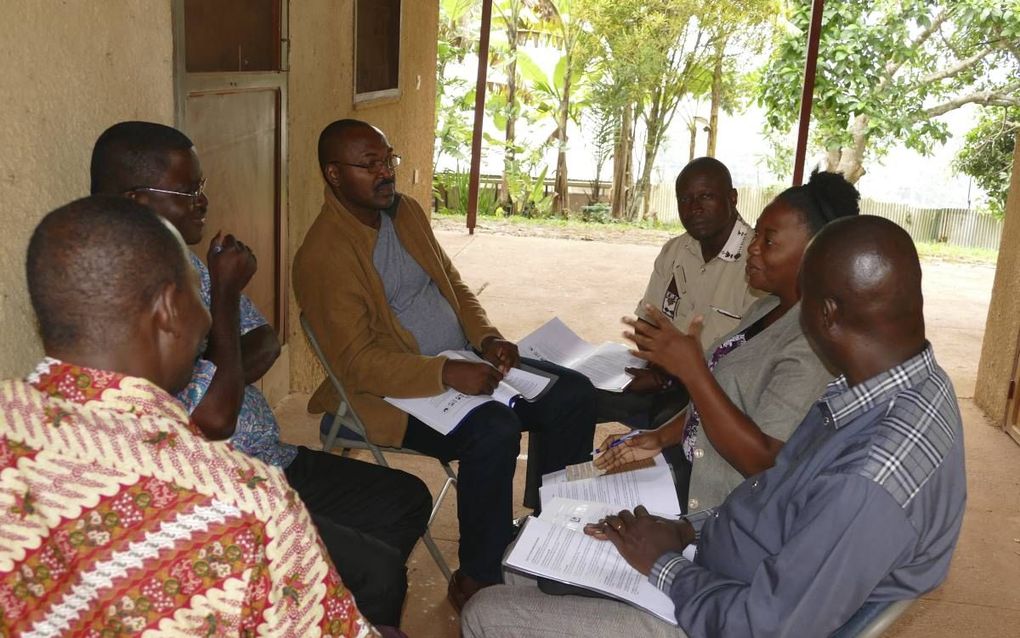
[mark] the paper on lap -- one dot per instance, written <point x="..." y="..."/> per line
<point x="604" y="364"/>
<point x="444" y="412"/>
<point x="652" y="487"/>
<point x="547" y="549"/>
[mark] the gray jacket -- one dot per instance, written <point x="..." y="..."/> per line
<point x="774" y="379"/>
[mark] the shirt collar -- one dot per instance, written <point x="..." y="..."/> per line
<point x="844" y="404"/>
<point x="733" y="249"/>
<point x="83" y="385"/>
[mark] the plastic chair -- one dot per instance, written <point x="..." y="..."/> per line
<point x="873" y="619"/>
<point x="345" y="429"/>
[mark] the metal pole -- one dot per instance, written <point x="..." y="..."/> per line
<point x="810" y="64"/>
<point x="476" y="136"/>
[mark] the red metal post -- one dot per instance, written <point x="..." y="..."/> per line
<point x="476" y="136"/>
<point x="810" y="64"/>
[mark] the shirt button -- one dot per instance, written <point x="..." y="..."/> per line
<point x="698" y="453"/>
<point x="754" y="484"/>
<point x="692" y="504"/>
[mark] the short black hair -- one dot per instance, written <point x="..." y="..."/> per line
<point x="826" y="196"/>
<point x="132" y="154"/>
<point x="708" y="165"/>
<point x="94" y="264"/>
<point x="332" y="133"/>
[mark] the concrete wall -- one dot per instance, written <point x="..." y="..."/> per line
<point x="322" y="90"/>
<point x="1003" y="324"/>
<point x="70" y="70"/>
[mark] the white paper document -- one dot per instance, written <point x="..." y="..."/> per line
<point x="652" y="487"/>
<point x="574" y="514"/>
<point x="553" y="551"/>
<point x="444" y="412"/>
<point x="603" y="364"/>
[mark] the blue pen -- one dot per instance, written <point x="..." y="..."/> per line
<point x="625" y="437"/>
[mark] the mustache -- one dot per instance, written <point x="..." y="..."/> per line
<point x="385" y="182"/>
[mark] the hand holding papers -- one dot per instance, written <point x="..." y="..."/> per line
<point x="444" y="412"/>
<point x="604" y="365"/>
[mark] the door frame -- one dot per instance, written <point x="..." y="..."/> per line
<point x="186" y="84"/>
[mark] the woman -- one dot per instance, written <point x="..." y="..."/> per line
<point x="760" y="380"/>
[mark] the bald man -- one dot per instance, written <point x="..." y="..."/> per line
<point x="863" y="506"/>
<point x="117" y="515"/>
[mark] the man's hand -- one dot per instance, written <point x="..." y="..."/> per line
<point x="647" y="380"/>
<point x="659" y="342"/>
<point x="636" y="448"/>
<point x="501" y="353"/>
<point x="642" y="538"/>
<point x="231" y="264"/>
<point x="471" y="377"/>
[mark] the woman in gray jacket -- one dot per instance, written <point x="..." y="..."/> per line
<point x="753" y="386"/>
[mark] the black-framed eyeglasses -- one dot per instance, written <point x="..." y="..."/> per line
<point x="194" y="195"/>
<point x="375" y="166"/>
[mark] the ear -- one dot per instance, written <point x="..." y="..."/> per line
<point x="830" y="313"/>
<point x="733" y="197"/>
<point x="166" y="312"/>
<point x="332" y="174"/>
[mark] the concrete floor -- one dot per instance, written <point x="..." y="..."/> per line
<point x="525" y="281"/>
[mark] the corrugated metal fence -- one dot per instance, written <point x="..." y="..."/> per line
<point x="954" y="226"/>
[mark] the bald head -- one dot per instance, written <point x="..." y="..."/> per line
<point x="861" y="290"/>
<point x="93" y="265"/>
<point x="333" y="138"/>
<point x="708" y="166"/>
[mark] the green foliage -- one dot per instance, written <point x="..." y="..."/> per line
<point x="454" y="97"/>
<point x="888" y="69"/>
<point x="987" y="155"/>
<point x="450" y="189"/>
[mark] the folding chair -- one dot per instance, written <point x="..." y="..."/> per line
<point x="873" y="619"/>
<point x="347" y="431"/>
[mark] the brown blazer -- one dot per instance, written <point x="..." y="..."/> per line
<point x="340" y="292"/>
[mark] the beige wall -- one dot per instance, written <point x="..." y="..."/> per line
<point x="1000" y="342"/>
<point x="321" y="91"/>
<point x="70" y="70"/>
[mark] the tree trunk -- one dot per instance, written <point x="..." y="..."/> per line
<point x="653" y="137"/>
<point x="693" y="128"/>
<point x="713" y="117"/>
<point x="622" y="152"/>
<point x="560" y="201"/>
<point x="506" y="197"/>
<point x="849" y="160"/>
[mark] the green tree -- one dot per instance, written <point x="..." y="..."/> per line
<point x="888" y="69"/>
<point x="987" y="154"/>
<point x="454" y="97"/>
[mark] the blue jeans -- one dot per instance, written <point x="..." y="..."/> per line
<point x="487" y="443"/>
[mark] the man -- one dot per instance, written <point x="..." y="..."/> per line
<point x="700" y="272"/>
<point x="116" y="516"/>
<point x="369" y="517"/>
<point x="862" y="507"/>
<point x="384" y="301"/>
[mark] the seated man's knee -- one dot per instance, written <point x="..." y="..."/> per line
<point x="495" y="429"/>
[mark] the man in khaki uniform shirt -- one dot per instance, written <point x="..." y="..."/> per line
<point x="698" y="273"/>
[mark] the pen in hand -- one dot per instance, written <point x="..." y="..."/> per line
<point x="619" y="441"/>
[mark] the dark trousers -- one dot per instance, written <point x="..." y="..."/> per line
<point x="369" y="518"/>
<point x="640" y="411"/>
<point x="487" y="443"/>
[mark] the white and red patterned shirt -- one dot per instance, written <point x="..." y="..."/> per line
<point x="117" y="519"/>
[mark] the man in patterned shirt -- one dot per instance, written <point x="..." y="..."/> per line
<point x="116" y="517"/>
<point x="369" y="517"/>
<point x="863" y="506"/>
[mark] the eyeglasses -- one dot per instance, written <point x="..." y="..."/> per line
<point x="375" y="166"/>
<point x="193" y="195"/>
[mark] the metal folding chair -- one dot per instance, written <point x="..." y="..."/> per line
<point x="347" y="431"/>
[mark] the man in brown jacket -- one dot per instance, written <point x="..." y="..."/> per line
<point x="384" y="300"/>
